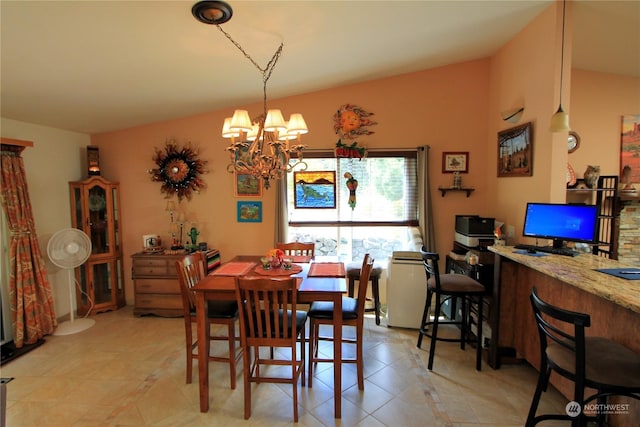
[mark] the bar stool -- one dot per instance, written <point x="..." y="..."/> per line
<point x="444" y="287"/>
<point x="353" y="274"/>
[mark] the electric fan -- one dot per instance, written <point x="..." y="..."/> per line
<point x="70" y="248"/>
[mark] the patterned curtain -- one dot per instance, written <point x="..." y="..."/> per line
<point x="30" y="296"/>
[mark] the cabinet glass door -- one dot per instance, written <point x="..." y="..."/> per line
<point x="98" y="219"/>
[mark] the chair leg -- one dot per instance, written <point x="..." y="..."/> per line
<point x="434" y="333"/>
<point x="189" y="344"/>
<point x="375" y="289"/>
<point x="231" y="333"/>
<point x="543" y="378"/>
<point x="423" y="322"/>
<point x="312" y="349"/>
<point x="246" y="362"/>
<point x="466" y="324"/>
<point x="303" y="344"/>
<point x="479" y="336"/>
<point x="360" y="356"/>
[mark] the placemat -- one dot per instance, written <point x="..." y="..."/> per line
<point x="278" y="271"/>
<point x="327" y="269"/>
<point x="300" y="258"/>
<point x="233" y="269"/>
<point x="624" y="273"/>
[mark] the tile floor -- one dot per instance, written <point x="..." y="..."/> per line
<point x="130" y="371"/>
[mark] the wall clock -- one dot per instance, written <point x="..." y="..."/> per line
<point x="573" y="141"/>
<point x="178" y="170"/>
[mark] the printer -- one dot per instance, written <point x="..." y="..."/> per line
<point x="474" y="231"/>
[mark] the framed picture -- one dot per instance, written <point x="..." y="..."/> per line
<point x="249" y="211"/>
<point x="315" y="190"/>
<point x="630" y="149"/>
<point x="247" y="185"/>
<point x="515" y="151"/>
<point x="455" y="161"/>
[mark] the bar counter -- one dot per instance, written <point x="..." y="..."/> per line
<point x="567" y="282"/>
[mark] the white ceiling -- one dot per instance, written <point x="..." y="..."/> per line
<point x="96" y="66"/>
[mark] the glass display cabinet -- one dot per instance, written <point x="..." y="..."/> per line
<point x="95" y="209"/>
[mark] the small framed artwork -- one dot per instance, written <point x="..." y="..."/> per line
<point x="315" y="190"/>
<point x="455" y="161"/>
<point x="515" y="151"/>
<point x="249" y="211"/>
<point x="629" y="143"/>
<point x="247" y="185"/>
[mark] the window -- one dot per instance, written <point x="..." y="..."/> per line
<point x="386" y="205"/>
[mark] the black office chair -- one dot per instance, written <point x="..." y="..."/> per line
<point x="447" y="287"/>
<point x="594" y="362"/>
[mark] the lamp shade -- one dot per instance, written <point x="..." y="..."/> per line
<point x="297" y="125"/>
<point x="253" y="133"/>
<point x="274" y="121"/>
<point x="240" y="121"/>
<point x="559" y="121"/>
<point x="226" y="129"/>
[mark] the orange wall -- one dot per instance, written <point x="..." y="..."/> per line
<point x="598" y="101"/>
<point x="444" y="108"/>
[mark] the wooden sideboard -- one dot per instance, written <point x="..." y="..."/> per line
<point x="571" y="283"/>
<point x="155" y="282"/>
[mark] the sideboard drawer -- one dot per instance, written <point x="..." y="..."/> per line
<point x="157" y="286"/>
<point x="157" y="301"/>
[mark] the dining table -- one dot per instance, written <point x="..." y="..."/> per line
<point x="319" y="279"/>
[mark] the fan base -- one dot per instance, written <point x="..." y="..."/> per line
<point x="78" y="325"/>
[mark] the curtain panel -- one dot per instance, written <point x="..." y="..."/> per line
<point x="31" y="299"/>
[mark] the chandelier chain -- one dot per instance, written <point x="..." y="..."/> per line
<point x="266" y="71"/>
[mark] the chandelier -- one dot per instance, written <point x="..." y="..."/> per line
<point x="262" y="147"/>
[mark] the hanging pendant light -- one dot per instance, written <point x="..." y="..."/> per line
<point x="560" y="120"/>
<point x="260" y="147"/>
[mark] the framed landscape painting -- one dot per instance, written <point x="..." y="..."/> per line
<point x="515" y="151"/>
<point x="630" y="149"/>
<point x="249" y="211"/>
<point x="315" y="189"/>
<point x="247" y="185"/>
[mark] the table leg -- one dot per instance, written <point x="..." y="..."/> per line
<point x="337" y="356"/>
<point x="203" y="351"/>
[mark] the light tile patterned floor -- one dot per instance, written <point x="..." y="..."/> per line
<point x="130" y="371"/>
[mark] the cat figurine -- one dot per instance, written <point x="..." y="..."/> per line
<point x="591" y="175"/>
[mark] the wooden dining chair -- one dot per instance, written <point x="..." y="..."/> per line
<point x="269" y="319"/>
<point x="298" y="248"/>
<point x="321" y="313"/>
<point x="190" y="270"/>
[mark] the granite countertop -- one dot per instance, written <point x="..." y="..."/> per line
<point x="579" y="271"/>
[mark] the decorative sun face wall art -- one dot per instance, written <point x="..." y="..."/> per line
<point x="351" y="121"/>
<point x="178" y="170"/>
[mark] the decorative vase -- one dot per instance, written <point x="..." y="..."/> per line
<point x="591" y="175"/>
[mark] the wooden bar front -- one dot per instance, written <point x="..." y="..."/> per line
<point x="571" y="283"/>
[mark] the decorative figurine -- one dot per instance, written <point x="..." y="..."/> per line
<point x="352" y="185"/>
<point x="193" y="235"/>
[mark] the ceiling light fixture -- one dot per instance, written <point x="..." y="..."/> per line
<point x="260" y="148"/>
<point x="560" y="120"/>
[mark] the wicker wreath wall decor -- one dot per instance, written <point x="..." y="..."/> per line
<point x="178" y="170"/>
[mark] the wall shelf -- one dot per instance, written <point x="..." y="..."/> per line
<point x="467" y="190"/>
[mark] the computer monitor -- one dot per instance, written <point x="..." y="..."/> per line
<point x="561" y="222"/>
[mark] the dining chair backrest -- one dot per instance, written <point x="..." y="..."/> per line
<point x="190" y="271"/>
<point x="297" y="248"/>
<point x="430" y="262"/>
<point x="365" y="273"/>
<point x="267" y="310"/>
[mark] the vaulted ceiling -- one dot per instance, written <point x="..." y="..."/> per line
<point x="95" y="66"/>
